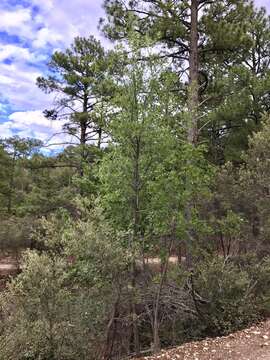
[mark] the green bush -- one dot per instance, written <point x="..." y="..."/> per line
<point x="225" y="296"/>
<point x="41" y="317"/>
<point x="60" y="305"/>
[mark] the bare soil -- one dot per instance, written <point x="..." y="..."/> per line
<point x="9" y="267"/>
<point x="249" y="344"/>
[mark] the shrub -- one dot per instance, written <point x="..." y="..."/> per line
<point x="224" y="295"/>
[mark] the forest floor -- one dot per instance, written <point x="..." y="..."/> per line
<point x="8" y="267"/>
<point x="249" y="344"/>
<point x="7" y="264"/>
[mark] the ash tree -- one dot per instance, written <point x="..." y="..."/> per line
<point x="188" y="40"/>
<point x="143" y="180"/>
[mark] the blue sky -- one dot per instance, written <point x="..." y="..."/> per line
<point x="30" y="31"/>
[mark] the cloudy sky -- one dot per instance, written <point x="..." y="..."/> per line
<point x="30" y="31"/>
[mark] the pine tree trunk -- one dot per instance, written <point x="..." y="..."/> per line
<point x="11" y="184"/>
<point x="193" y="102"/>
<point x="99" y="138"/>
<point x="83" y="134"/>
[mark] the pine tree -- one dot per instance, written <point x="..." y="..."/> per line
<point x="77" y="76"/>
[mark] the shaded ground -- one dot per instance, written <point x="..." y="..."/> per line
<point x="7" y="264"/>
<point x="8" y="267"/>
<point x="250" y="344"/>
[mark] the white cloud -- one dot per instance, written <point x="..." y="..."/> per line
<point x="33" y="124"/>
<point x="264" y="3"/>
<point x="45" y="36"/>
<point x="44" y="5"/>
<point x="17" y="22"/>
<point x="17" y="86"/>
<point x="26" y="119"/>
<point x="14" y="52"/>
<point x="14" y="19"/>
<point x="70" y="18"/>
<point x="51" y="25"/>
<point x="5" y="130"/>
<point x="5" y="80"/>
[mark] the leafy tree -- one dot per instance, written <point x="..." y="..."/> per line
<point x="145" y="174"/>
<point x="189" y="44"/>
<point x="50" y="185"/>
<point x="189" y="85"/>
<point x="241" y="193"/>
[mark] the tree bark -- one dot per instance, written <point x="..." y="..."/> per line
<point x="193" y="99"/>
<point x="111" y="331"/>
<point x="156" y="339"/>
<point x="83" y="133"/>
<point x="193" y="102"/>
<point x="11" y="184"/>
<point x="136" y="224"/>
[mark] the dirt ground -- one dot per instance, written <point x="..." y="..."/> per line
<point x="8" y="268"/>
<point x="250" y="344"/>
<point x="7" y="265"/>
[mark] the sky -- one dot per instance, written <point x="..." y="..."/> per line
<point x="30" y="31"/>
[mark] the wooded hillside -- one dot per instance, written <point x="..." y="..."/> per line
<point x="149" y="225"/>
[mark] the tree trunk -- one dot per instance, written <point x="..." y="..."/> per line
<point x="193" y="102"/>
<point x="83" y="132"/>
<point x="111" y="331"/>
<point x="156" y="339"/>
<point x="11" y="184"/>
<point x="136" y="187"/>
<point x="193" y="99"/>
<point x="136" y="338"/>
<point x="136" y="224"/>
<point x="99" y="137"/>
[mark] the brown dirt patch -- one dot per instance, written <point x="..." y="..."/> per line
<point x="8" y="268"/>
<point x="250" y="344"/>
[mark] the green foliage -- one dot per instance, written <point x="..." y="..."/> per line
<point x="43" y="318"/>
<point x="150" y="169"/>
<point x="14" y="234"/>
<point x="58" y="306"/>
<point x="254" y="178"/>
<point x="117" y="228"/>
<point x="15" y="153"/>
<point x="80" y="77"/>
<point x="225" y="296"/>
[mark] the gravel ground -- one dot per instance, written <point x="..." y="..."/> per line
<point x="250" y="344"/>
